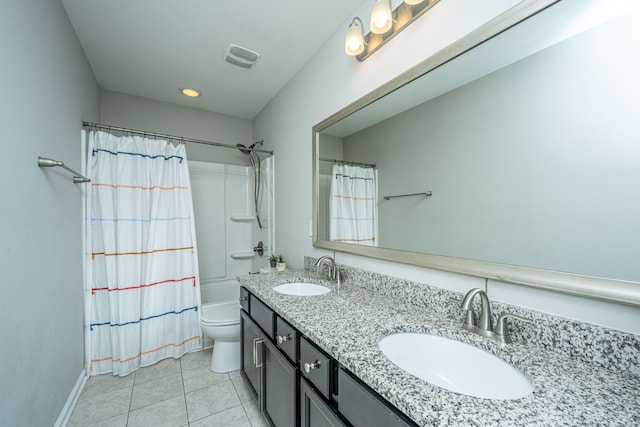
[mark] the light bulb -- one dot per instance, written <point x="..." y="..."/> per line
<point x="381" y="20"/>
<point x="354" y="41"/>
<point x="413" y="2"/>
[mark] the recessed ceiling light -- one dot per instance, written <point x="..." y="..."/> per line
<point x="191" y="93"/>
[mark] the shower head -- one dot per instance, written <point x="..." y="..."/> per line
<point x="248" y="150"/>
<point x="244" y="149"/>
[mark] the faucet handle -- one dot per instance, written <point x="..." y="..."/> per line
<point x="502" y="328"/>
<point x="456" y="300"/>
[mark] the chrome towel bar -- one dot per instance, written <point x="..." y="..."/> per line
<point x="44" y="162"/>
<point x="426" y="193"/>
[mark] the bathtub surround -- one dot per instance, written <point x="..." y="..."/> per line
<point x="583" y="374"/>
<point x="224" y="227"/>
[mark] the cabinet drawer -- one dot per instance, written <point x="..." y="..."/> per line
<point x="287" y="339"/>
<point x="244" y="299"/>
<point x="263" y="315"/>
<point x="362" y="406"/>
<point x="316" y="366"/>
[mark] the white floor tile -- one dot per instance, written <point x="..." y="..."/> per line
<point x="106" y="383"/>
<point x="168" y="413"/>
<point x="175" y="393"/>
<point x="196" y="359"/>
<point x="157" y="390"/>
<point x="201" y="377"/>
<point x="100" y="407"/>
<point x="232" y="417"/>
<point x="241" y="388"/>
<point x="117" y="421"/>
<point x="163" y="368"/>
<point x="210" y="400"/>
<point x="253" y="413"/>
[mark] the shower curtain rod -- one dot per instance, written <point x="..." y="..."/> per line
<point x="345" y="162"/>
<point x="169" y="137"/>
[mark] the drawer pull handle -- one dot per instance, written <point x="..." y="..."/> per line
<point x="308" y="367"/>
<point x="282" y="339"/>
<point x="244" y="298"/>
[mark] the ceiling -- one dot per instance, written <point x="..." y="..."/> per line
<point x="151" y="48"/>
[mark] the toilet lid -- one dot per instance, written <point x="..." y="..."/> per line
<point x="227" y="313"/>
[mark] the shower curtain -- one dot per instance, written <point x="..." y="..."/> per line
<point x="142" y="296"/>
<point x="353" y="206"/>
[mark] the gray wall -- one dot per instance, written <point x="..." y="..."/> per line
<point x="532" y="165"/>
<point x="48" y="90"/>
<point x="134" y="112"/>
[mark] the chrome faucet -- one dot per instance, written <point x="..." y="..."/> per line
<point x="485" y="312"/>
<point x="483" y="327"/>
<point x="334" y="271"/>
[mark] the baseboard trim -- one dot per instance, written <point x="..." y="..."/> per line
<point x="67" y="410"/>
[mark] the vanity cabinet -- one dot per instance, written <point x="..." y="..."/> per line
<point x="271" y="378"/>
<point x="361" y="406"/>
<point x="280" y="387"/>
<point x="250" y="363"/>
<point x="314" y="411"/>
<point x="317" y="367"/>
<point x="297" y="384"/>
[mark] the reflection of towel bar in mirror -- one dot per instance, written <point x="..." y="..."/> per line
<point x="44" y="162"/>
<point x="426" y="193"/>
<point x="348" y="163"/>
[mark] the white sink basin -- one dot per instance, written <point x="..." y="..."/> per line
<point x="302" y="289"/>
<point x="455" y="366"/>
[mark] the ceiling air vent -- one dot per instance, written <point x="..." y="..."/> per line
<point x="241" y="56"/>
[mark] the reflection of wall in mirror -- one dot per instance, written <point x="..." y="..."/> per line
<point x="330" y="148"/>
<point x="551" y="140"/>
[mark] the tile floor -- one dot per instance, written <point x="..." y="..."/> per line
<point x="171" y="393"/>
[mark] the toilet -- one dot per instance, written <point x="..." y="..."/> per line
<point x="221" y="322"/>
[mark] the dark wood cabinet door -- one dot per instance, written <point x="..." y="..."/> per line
<point x="280" y="380"/>
<point x="314" y="412"/>
<point x="251" y="355"/>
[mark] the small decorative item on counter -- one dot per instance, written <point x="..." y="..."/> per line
<point x="273" y="259"/>
<point x="280" y="264"/>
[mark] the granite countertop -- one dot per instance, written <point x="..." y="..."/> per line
<point x="348" y="323"/>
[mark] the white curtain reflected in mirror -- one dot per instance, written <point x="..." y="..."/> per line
<point x="353" y="205"/>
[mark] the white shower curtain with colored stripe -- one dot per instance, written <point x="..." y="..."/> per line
<point x="142" y="296"/>
<point x="354" y="205"/>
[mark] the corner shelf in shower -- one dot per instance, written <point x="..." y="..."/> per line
<point x="242" y="255"/>
<point x="241" y="218"/>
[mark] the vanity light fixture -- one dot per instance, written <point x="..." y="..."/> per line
<point x="191" y="93"/>
<point x="354" y="42"/>
<point x="381" y="19"/>
<point x="384" y="25"/>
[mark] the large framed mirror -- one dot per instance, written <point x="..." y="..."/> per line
<point x="512" y="154"/>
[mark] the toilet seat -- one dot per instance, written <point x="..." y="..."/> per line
<point x="223" y="314"/>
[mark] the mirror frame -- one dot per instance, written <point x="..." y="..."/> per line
<point x="600" y="288"/>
